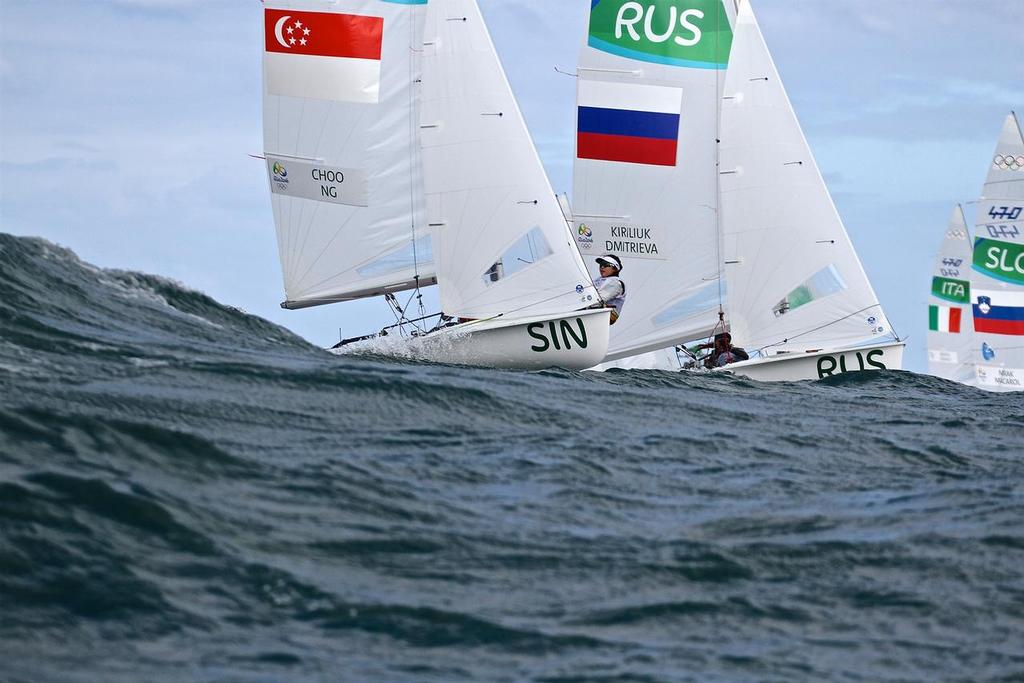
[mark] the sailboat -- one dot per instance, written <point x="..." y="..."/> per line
<point x="762" y="253"/>
<point x="649" y="81"/>
<point x="398" y="158"/>
<point x="950" y="327"/>
<point x="997" y="268"/>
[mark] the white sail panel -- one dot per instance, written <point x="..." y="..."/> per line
<point x="341" y="138"/>
<point x="997" y="276"/>
<point x="951" y="347"/>
<point x="794" y="280"/>
<point x="501" y="241"/>
<point x="644" y="182"/>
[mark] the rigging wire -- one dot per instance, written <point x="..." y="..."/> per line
<point x="414" y="84"/>
<point x="822" y="327"/>
<point x="718" y="167"/>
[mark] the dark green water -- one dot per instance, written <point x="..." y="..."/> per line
<point x="189" y="493"/>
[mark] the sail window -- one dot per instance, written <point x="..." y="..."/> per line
<point x="825" y="282"/>
<point x="704" y="300"/>
<point x="526" y="251"/>
<point x="404" y="258"/>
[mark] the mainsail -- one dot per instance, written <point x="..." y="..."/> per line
<point x="502" y="245"/>
<point x="341" y="139"/>
<point x="997" y="276"/>
<point x="951" y="347"/>
<point x="649" y="81"/>
<point x="794" y="280"/>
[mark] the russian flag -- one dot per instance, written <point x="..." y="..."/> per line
<point x="999" y="312"/>
<point x="628" y="122"/>
<point x="323" y="55"/>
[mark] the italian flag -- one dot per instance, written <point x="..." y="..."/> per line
<point x="944" y="319"/>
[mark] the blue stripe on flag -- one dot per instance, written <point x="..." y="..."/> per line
<point x="1001" y="313"/>
<point x="643" y="124"/>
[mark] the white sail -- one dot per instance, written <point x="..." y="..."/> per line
<point x="649" y="80"/>
<point x="501" y="245"/>
<point x="997" y="277"/>
<point x="794" y="280"/>
<point x="951" y="348"/>
<point x="341" y="138"/>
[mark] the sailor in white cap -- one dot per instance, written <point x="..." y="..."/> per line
<point x="610" y="286"/>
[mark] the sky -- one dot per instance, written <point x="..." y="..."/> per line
<point x="126" y="128"/>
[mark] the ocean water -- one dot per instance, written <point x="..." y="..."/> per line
<point x="190" y="493"/>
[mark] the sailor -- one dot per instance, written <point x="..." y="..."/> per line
<point x="723" y="352"/>
<point x="610" y="286"/>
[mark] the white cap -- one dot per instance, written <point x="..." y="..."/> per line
<point x="610" y="260"/>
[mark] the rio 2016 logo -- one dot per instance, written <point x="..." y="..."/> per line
<point x="280" y="175"/>
<point x="689" y="33"/>
<point x="586" y="236"/>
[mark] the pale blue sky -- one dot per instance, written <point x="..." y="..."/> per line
<point x="125" y="127"/>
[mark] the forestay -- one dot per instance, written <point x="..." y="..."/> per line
<point x="341" y="139"/>
<point x="501" y="242"/>
<point x="650" y="74"/>
<point x="951" y="347"/>
<point x="794" y="280"/>
<point x="997" y="278"/>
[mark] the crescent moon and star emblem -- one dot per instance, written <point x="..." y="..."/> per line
<point x="289" y="36"/>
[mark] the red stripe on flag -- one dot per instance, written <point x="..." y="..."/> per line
<point x="326" y="34"/>
<point x="1012" y="327"/>
<point x="625" y="148"/>
<point x="954" y="320"/>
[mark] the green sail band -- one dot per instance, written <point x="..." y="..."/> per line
<point x="999" y="260"/>
<point x="688" y="33"/>
<point x="947" y="289"/>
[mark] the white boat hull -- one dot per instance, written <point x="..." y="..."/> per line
<point x="814" y="365"/>
<point x="574" y="341"/>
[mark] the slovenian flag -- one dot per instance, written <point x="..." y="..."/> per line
<point x="628" y="122"/>
<point x="944" y="319"/>
<point x="323" y="55"/>
<point x="999" y="312"/>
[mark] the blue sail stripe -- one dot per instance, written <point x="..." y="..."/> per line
<point x="644" y="124"/>
<point x="1001" y="313"/>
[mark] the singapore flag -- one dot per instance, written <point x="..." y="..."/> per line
<point x="323" y="55"/>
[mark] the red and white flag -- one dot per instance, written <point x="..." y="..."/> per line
<point x="323" y="55"/>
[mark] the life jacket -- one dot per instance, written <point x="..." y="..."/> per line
<point x="615" y="302"/>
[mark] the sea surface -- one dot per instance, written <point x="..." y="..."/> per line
<point x="191" y="493"/>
